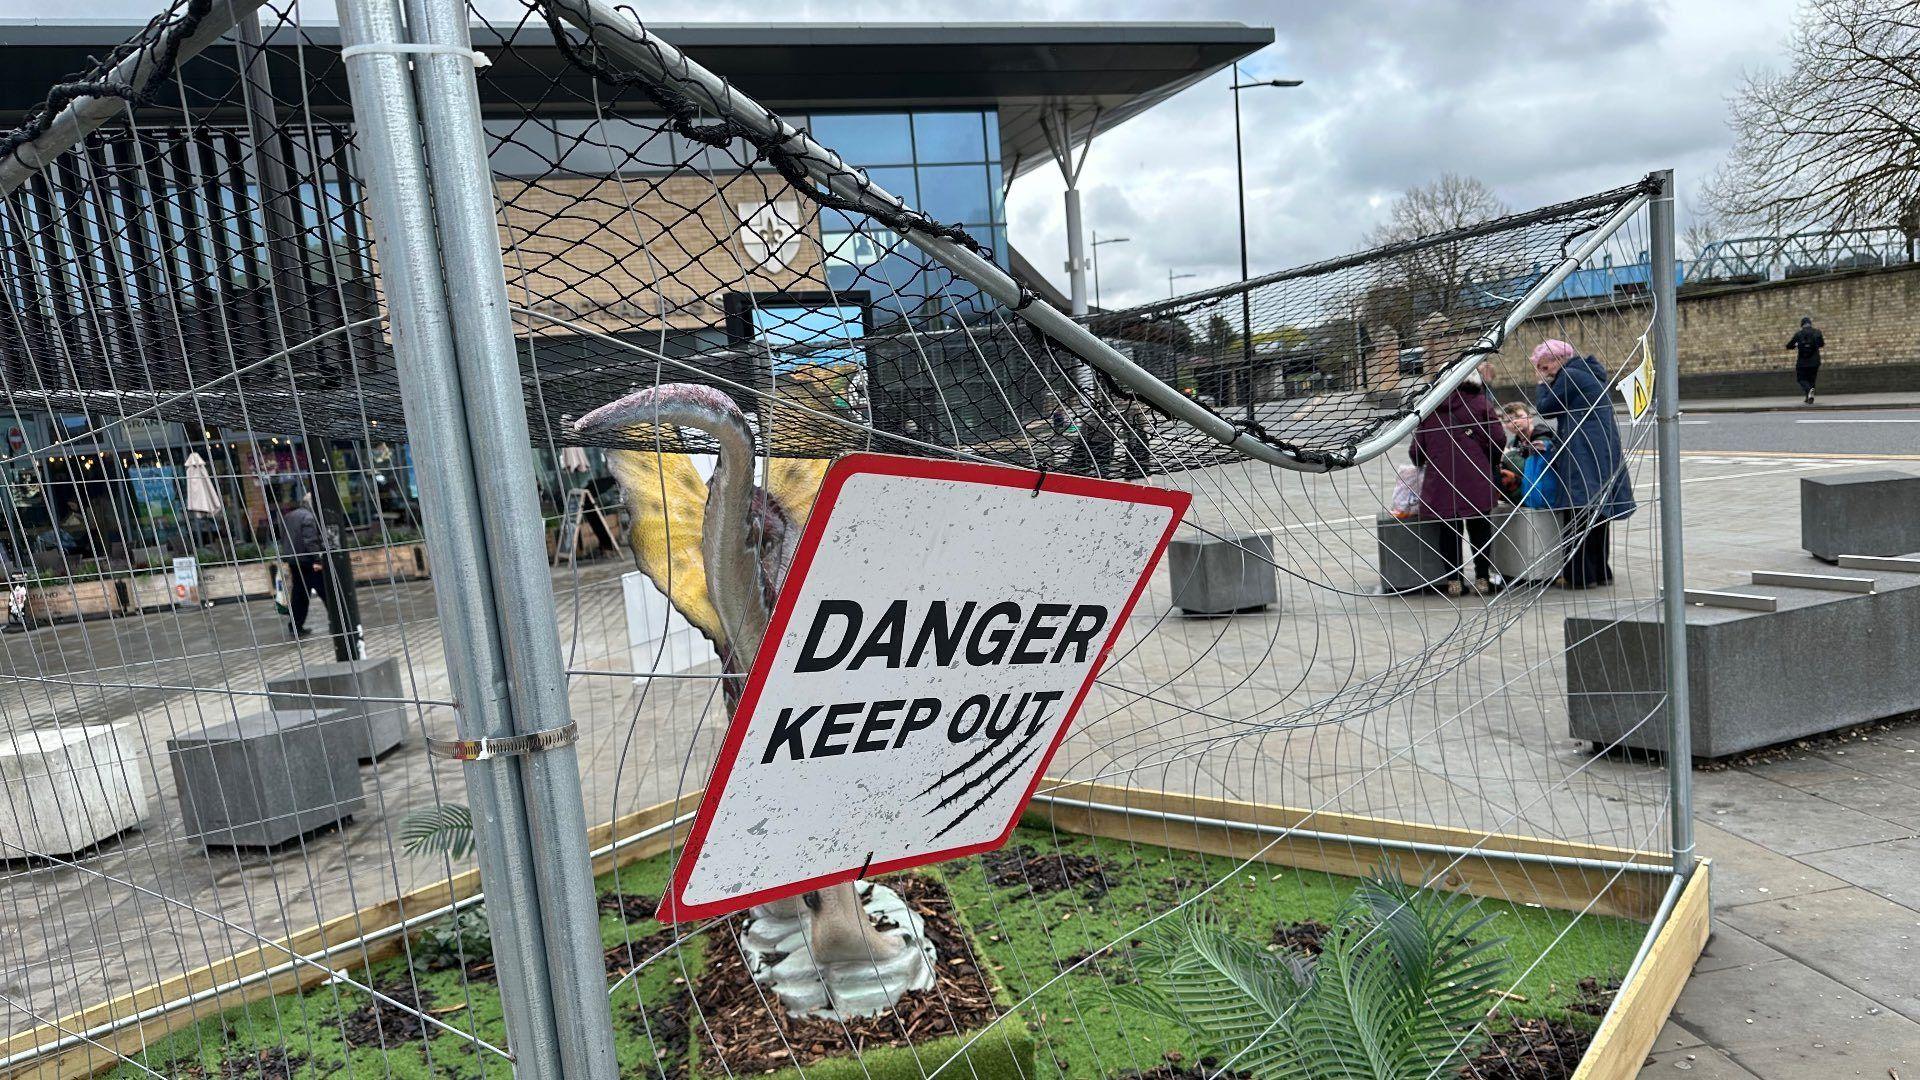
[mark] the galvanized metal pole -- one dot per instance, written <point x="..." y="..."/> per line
<point x="1246" y="305"/>
<point x="395" y="171"/>
<point x="1665" y="343"/>
<point x="497" y="432"/>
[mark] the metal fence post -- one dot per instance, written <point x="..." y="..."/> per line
<point x="396" y="181"/>
<point x="1665" y="343"/>
<point x="497" y="432"/>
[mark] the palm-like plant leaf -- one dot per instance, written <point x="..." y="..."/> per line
<point x="1397" y="992"/>
<point x="1230" y="993"/>
<point x="445" y="829"/>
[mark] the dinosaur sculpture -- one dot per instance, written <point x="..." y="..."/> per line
<point x="719" y="550"/>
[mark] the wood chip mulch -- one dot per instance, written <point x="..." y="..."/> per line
<point x="271" y="1063"/>
<point x="744" y="1030"/>
<point x="381" y="1023"/>
<point x="1531" y="1050"/>
<point x="633" y="907"/>
<point x="1595" y="997"/>
<point x="641" y="951"/>
<point x="1045" y="872"/>
<point x="1302" y="937"/>
<point x="1177" y="1068"/>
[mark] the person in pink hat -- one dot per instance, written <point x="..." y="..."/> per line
<point x="1589" y="464"/>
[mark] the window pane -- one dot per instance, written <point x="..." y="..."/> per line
<point x="899" y="182"/>
<point x="996" y="184"/>
<point x="947" y="136"/>
<point x="993" y="134"/>
<point x="866" y="138"/>
<point x="956" y="193"/>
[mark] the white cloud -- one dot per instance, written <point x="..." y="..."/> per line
<point x="1543" y="101"/>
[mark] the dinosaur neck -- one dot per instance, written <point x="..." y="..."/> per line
<point x="730" y="537"/>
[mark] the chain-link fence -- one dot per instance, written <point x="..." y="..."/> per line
<point x="513" y="350"/>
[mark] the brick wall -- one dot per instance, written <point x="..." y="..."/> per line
<point x="1733" y="337"/>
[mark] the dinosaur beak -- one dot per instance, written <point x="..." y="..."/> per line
<point x="640" y="407"/>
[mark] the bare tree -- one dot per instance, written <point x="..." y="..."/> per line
<point x="1704" y="229"/>
<point x="1449" y="203"/>
<point x="1834" y="140"/>
<point x="1434" y="277"/>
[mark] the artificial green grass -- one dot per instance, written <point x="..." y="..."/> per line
<point x="1068" y="1026"/>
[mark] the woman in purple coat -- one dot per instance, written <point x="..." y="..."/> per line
<point x="1459" y="443"/>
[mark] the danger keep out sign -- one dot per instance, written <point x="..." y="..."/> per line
<point x="937" y="631"/>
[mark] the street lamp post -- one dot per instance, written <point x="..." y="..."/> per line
<point x="1173" y="277"/>
<point x="1096" y="261"/>
<point x="1240" y="185"/>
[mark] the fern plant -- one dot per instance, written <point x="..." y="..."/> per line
<point x="1398" y="990"/>
<point x="443" y="829"/>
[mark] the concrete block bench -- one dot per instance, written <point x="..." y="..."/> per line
<point x="264" y="779"/>
<point x="1821" y="660"/>
<point x="1527" y="544"/>
<point x="1876" y="512"/>
<point x="1220" y="575"/>
<point x="1414" y="553"/>
<point x="67" y="789"/>
<point x="368" y="689"/>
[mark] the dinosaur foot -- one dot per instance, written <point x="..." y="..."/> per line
<point x="845" y="965"/>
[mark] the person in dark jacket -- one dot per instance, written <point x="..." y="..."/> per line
<point x="1806" y="344"/>
<point x="1590" y="466"/>
<point x="306" y="558"/>
<point x="1459" y="443"/>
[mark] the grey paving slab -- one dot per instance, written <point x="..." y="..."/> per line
<point x="1786" y="1020"/>
<point x="1841" y="779"/>
<point x="1745" y="872"/>
<point x="1860" y="940"/>
<point x="1696" y="1062"/>
<point x="1674" y="1037"/>
<point x="1891" y="868"/>
<point x="1319" y="707"/>
<point x="1733" y="948"/>
<point x="1783" y="818"/>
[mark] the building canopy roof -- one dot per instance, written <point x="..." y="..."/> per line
<point x="1098" y="73"/>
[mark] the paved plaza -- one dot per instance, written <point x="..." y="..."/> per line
<point x="1425" y="708"/>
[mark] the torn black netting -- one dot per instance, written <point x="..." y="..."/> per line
<point x="657" y="228"/>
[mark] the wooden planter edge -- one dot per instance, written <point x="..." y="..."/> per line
<point x="1619" y="1049"/>
<point x="1115" y="812"/>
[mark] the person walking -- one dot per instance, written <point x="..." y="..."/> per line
<point x="306" y="559"/>
<point x="1590" y="467"/>
<point x="1806" y="344"/>
<point x="1458" y="444"/>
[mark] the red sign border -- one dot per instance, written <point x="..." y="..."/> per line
<point x="672" y="910"/>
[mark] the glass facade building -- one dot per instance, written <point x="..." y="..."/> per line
<point x="944" y="162"/>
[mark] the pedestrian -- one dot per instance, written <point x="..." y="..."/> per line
<point x="1136" y="434"/>
<point x="1458" y="443"/>
<point x="1090" y="450"/>
<point x="1526" y="468"/>
<point x="1806" y="344"/>
<point x="1589" y="465"/>
<point x="306" y="559"/>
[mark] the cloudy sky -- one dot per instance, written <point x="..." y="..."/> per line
<point x="1542" y="100"/>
